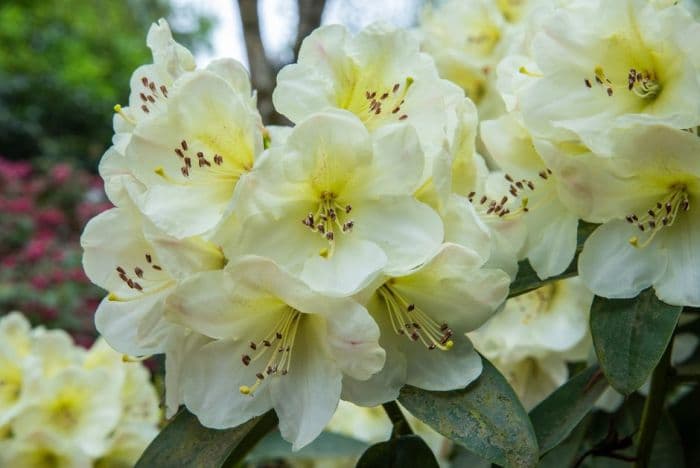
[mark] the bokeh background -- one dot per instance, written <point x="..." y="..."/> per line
<point x="64" y="64"/>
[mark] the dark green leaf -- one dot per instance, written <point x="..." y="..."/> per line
<point x="486" y="417"/>
<point x="630" y="335"/>
<point x="667" y="451"/>
<point x="400" y="452"/>
<point x="327" y="445"/>
<point x="527" y="280"/>
<point x="184" y="442"/>
<point x="568" y="451"/>
<point x="556" y="416"/>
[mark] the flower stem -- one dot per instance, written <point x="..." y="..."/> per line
<point x="653" y="408"/>
<point x="401" y="426"/>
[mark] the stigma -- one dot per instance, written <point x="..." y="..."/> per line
<point x="275" y="348"/>
<point x="662" y="215"/>
<point x="410" y="321"/>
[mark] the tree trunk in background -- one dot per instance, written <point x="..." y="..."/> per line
<point x="262" y="71"/>
<point x="310" y="12"/>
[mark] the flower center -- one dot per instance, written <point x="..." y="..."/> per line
<point x="276" y="347"/>
<point x="143" y="276"/>
<point x="330" y="217"/>
<point x="518" y="188"/>
<point x="642" y="83"/>
<point x="662" y="215"/>
<point x="198" y="163"/>
<point x="65" y="413"/>
<point x="535" y="303"/>
<point x="414" y="323"/>
<point x="381" y="103"/>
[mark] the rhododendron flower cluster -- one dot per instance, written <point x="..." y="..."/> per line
<point x="361" y="249"/>
<point x="62" y="405"/>
<point x="288" y="277"/>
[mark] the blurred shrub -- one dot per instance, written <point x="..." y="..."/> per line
<point x="43" y="212"/>
<point x="63" y="66"/>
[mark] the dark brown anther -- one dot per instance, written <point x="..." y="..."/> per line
<point x="164" y="90"/>
<point x="253" y="346"/>
<point x="508" y="177"/>
<point x="403" y="117"/>
<point x="588" y="83"/>
<point x="260" y="376"/>
<point x="266" y="343"/>
<point x="218" y="159"/>
<point x="185" y="171"/>
<point x="130" y="283"/>
<point x="144" y="108"/>
<point x="278" y="335"/>
<point x="384" y="96"/>
<point x="610" y="91"/>
<point x="151" y="99"/>
<point x="530" y="185"/>
<point x="152" y="86"/>
<point x="415" y="336"/>
<point x="411" y="307"/>
<point x="179" y="152"/>
<point x="139" y="272"/>
<point x="143" y="97"/>
<point x="157" y="267"/>
<point x="188" y="162"/>
<point x="183" y="143"/>
<point x="120" y="270"/>
<point x="245" y="359"/>
<point x="148" y="258"/>
<point x="395" y="88"/>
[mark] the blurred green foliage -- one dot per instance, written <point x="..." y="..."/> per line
<point x="65" y="63"/>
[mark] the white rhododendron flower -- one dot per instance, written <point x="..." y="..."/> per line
<point x="153" y="87"/>
<point x="467" y="39"/>
<point x="139" y="266"/>
<point x="647" y="196"/>
<point x="335" y="204"/>
<point x="551" y="226"/>
<point x="534" y="336"/>
<point x="379" y="75"/>
<point x="423" y="332"/>
<point x="74" y="407"/>
<point x="190" y="158"/>
<point x="275" y="344"/>
<point x="602" y="65"/>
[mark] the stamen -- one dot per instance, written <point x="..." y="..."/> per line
<point x="330" y="217"/>
<point x="277" y="345"/>
<point x="664" y="214"/>
<point x="419" y="327"/>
